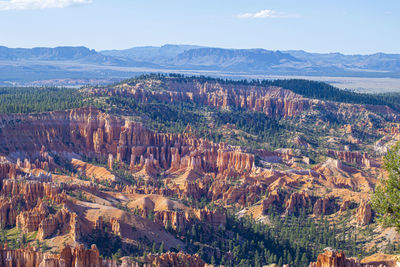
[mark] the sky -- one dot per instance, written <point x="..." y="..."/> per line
<point x="346" y="26"/>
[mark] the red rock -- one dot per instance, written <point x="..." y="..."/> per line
<point x="297" y="201"/>
<point x="110" y="161"/>
<point x="344" y="206"/>
<point x="96" y="133"/>
<point x="7" y="169"/>
<point x="28" y="221"/>
<point x="174" y="259"/>
<point x="20" y="257"/>
<point x="273" y="199"/>
<point x="332" y="258"/>
<point x="354" y="157"/>
<point x="63" y="221"/>
<point x="273" y="101"/>
<point x="215" y="217"/>
<point x="115" y="226"/>
<point x="30" y="190"/>
<point x="9" y="211"/>
<point x="364" y="214"/>
<point x="185" y="219"/>
<point x="99" y="224"/>
<point x="323" y="206"/>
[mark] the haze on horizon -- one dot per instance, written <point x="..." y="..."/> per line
<point x="349" y="27"/>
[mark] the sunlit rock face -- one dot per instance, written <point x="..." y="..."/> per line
<point x="332" y="258"/>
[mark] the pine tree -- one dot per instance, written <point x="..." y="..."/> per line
<point x="257" y="262"/>
<point x="280" y="262"/>
<point x="289" y="258"/>
<point x="386" y="199"/>
<point x="212" y="261"/>
<point x="304" y="260"/>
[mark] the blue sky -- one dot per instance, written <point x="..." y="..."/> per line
<point x="350" y="27"/>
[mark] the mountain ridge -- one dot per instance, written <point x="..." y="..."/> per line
<point x="65" y="62"/>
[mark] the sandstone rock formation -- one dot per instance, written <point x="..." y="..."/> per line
<point x="29" y="221"/>
<point x="323" y="206"/>
<point x="344" y="206"/>
<point x="179" y="217"/>
<point x="364" y="214"/>
<point x="174" y="259"/>
<point x="273" y="199"/>
<point x="332" y="258"/>
<point x="69" y="257"/>
<point x="31" y="190"/>
<point x="115" y="226"/>
<point x="7" y="169"/>
<point x="297" y="201"/>
<point x="63" y="221"/>
<point x="216" y="217"/>
<point x="94" y="133"/>
<point x="80" y="256"/>
<point x="272" y="101"/>
<point x="356" y="158"/>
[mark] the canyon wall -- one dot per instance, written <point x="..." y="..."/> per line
<point x="82" y="257"/>
<point x="273" y="101"/>
<point x="89" y="132"/>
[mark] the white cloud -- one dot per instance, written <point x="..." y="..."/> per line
<point x="266" y="13"/>
<point x="40" y="4"/>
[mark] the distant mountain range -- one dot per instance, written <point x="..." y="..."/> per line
<point x="204" y="58"/>
<point x="22" y="64"/>
<point x="158" y="55"/>
<point x="262" y="61"/>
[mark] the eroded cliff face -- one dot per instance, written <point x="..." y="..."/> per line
<point x="63" y="221"/>
<point x="364" y="213"/>
<point x="87" y="129"/>
<point x="7" y="169"/>
<point x="356" y="158"/>
<point x="89" y="132"/>
<point x="81" y="256"/>
<point x="20" y="202"/>
<point x="20" y="257"/>
<point x="68" y="257"/>
<point x="29" y="221"/>
<point x="272" y="101"/>
<point x="297" y="200"/>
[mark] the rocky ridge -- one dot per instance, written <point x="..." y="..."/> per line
<point x="271" y="100"/>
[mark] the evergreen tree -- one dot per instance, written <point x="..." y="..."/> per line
<point x="304" y="260"/>
<point x="257" y="262"/>
<point x="212" y="261"/>
<point x="280" y="262"/>
<point x="386" y="198"/>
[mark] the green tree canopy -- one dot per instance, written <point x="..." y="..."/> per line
<point x="386" y="198"/>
